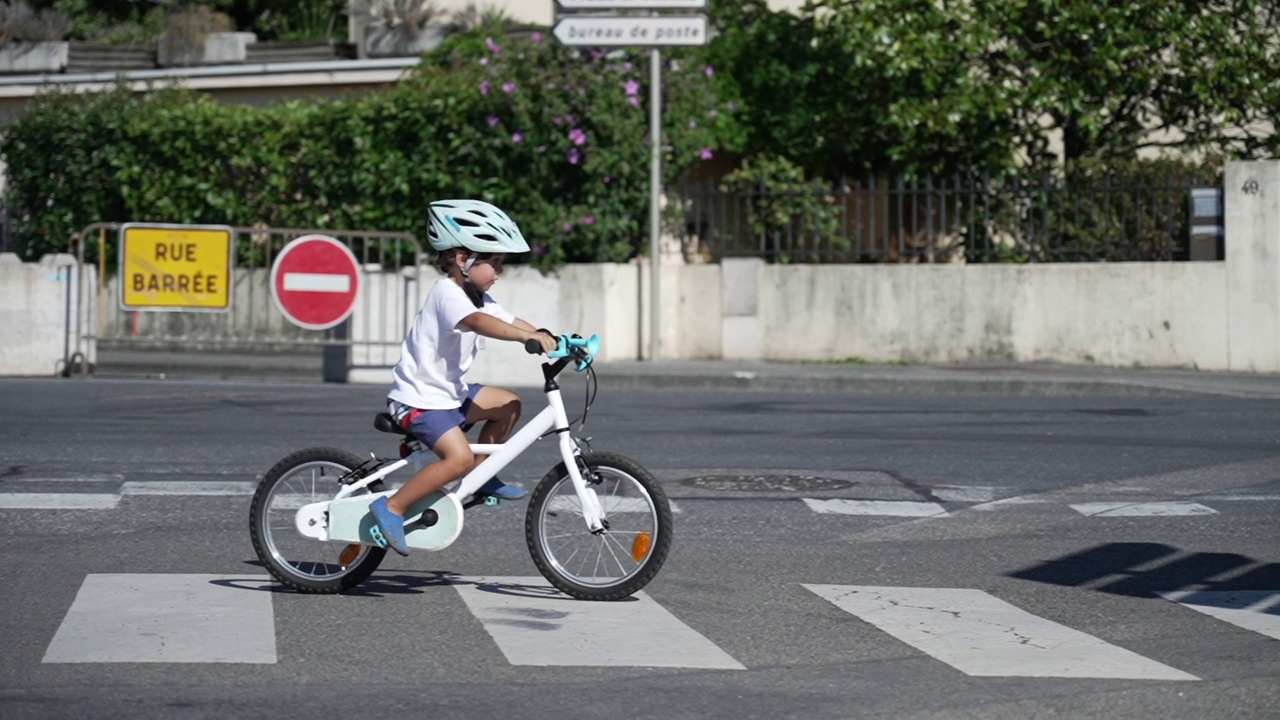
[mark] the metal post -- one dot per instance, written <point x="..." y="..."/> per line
<point x="655" y="193"/>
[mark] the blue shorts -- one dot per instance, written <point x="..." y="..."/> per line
<point x="429" y="426"/>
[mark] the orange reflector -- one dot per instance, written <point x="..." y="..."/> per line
<point x="640" y="546"/>
<point x="349" y="554"/>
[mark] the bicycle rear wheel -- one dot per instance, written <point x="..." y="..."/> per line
<point x="302" y="563"/>
<point x="610" y="565"/>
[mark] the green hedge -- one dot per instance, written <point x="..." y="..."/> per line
<point x="555" y="136"/>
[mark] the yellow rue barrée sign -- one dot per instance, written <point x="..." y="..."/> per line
<point x="175" y="267"/>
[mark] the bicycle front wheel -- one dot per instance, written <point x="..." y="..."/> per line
<point x="302" y="563"/>
<point x="610" y="565"/>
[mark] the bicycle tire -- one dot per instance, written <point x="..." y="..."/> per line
<point x="628" y="492"/>
<point x="270" y="531"/>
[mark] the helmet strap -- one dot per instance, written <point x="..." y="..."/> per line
<point x="473" y="292"/>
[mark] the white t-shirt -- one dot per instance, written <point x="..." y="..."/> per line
<point x="436" y="353"/>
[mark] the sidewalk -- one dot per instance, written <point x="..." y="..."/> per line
<point x="962" y="379"/>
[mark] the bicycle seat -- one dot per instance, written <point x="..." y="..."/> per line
<point x="383" y="422"/>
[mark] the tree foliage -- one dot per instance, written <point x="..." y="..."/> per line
<point x="887" y="86"/>
<point x="554" y="136"/>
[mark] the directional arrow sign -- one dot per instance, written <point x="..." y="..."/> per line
<point x="632" y="4"/>
<point x="610" y="31"/>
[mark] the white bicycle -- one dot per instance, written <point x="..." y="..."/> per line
<point x="598" y="525"/>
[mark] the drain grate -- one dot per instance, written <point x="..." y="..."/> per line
<point x="766" y="483"/>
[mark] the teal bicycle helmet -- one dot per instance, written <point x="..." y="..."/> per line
<point x="475" y="225"/>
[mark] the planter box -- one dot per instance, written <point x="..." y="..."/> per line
<point x="286" y="51"/>
<point x="102" y="57"/>
<point x="33" y="57"/>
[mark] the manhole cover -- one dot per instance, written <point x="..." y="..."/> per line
<point x="766" y="483"/>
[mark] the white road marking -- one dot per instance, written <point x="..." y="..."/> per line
<point x="58" y="501"/>
<point x="960" y="493"/>
<point x="1229" y="497"/>
<point x="1256" y="610"/>
<point x="83" y="478"/>
<point x="317" y="282"/>
<point x="979" y="634"/>
<point x="533" y="624"/>
<point x="188" y="487"/>
<point x="168" y="619"/>
<point x="566" y="503"/>
<point x="1008" y="502"/>
<point x="1141" y="509"/>
<point x="895" y="508"/>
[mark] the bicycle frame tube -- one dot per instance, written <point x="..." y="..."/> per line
<point x="364" y="482"/>
<point x="501" y="454"/>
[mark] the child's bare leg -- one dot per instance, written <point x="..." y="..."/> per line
<point x="455" y="460"/>
<point x="500" y="411"/>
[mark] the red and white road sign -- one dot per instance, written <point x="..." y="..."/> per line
<point x="314" y="282"/>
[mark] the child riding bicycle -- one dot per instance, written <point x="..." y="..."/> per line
<point x="430" y="396"/>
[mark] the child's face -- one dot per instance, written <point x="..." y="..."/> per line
<point x="485" y="270"/>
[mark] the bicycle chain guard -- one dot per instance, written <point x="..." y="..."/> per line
<point x="350" y="521"/>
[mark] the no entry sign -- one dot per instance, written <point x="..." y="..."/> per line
<point x="315" y="281"/>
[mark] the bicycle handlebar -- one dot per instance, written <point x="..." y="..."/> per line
<point x="569" y="346"/>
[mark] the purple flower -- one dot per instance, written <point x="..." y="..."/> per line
<point x="536" y="36"/>
<point x="484" y="87"/>
<point x="631" y="87"/>
<point x="557" y="120"/>
<point x="608" y="179"/>
<point x="539" y="250"/>
<point x="484" y="61"/>
<point x="567" y="227"/>
<point x="587" y="220"/>
<point x="709" y="71"/>
<point x="573" y="156"/>
<point x="705" y="154"/>
<point x="492" y="120"/>
<point x="577" y="136"/>
<point x="627" y="65"/>
<point x="633" y="101"/>
<point x="508" y="87"/>
<point x="493" y="46"/>
<point x="517" y="138"/>
<point x="693" y="123"/>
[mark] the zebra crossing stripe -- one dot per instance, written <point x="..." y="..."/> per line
<point x="1151" y="509"/>
<point x="569" y="503"/>
<point x="58" y="501"/>
<point x="1256" y="610"/>
<point x="188" y="487"/>
<point x="979" y="634"/>
<point x="894" y="508"/>
<point x="533" y="624"/>
<point x="142" y="618"/>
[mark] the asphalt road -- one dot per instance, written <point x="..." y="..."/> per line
<point x="836" y="556"/>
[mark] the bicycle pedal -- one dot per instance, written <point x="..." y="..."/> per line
<point x="376" y="533"/>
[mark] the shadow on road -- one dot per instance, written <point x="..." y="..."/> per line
<point x="1128" y="569"/>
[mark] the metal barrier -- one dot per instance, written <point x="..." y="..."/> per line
<point x="390" y="294"/>
<point x="944" y="219"/>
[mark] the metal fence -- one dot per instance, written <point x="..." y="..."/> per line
<point x="974" y="219"/>
<point x="390" y="295"/>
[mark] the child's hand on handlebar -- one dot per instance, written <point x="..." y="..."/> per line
<point x="543" y="341"/>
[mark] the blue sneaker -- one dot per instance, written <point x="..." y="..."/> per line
<point x="389" y="526"/>
<point x="501" y="490"/>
